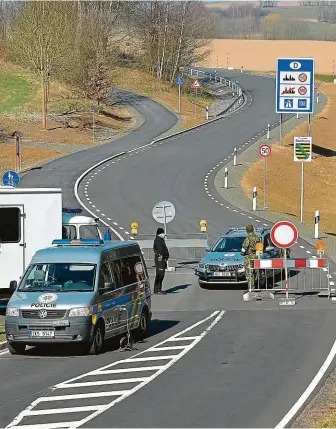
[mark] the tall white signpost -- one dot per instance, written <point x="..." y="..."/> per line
<point x="284" y="235"/>
<point x="265" y="151"/>
<point x="302" y="153"/>
<point x="164" y="212"/>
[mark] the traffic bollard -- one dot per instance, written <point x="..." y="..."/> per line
<point x="297" y="115"/>
<point x="268" y="131"/>
<point x="226" y="178"/>
<point x="254" y="199"/>
<point x="207" y="113"/>
<point x="317" y="221"/>
<point x="235" y="156"/>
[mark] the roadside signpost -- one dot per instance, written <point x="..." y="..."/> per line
<point x="93" y="110"/>
<point x="164" y="212"/>
<point x="179" y="82"/>
<point x="284" y="235"/>
<point x="295" y="87"/>
<point x="10" y="178"/>
<point x="17" y="135"/>
<point x="265" y="151"/>
<point x="196" y="85"/>
<point x="302" y="153"/>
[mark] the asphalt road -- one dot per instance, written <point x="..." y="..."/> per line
<point x="255" y="362"/>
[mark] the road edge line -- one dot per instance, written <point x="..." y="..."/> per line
<point x="292" y="413"/>
<point x="81" y="177"/>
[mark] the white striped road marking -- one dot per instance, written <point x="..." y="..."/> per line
<point x="301" y="247"/>
<point x="109" y="370"/>
<point x="3" y="352"/>
<point x="308" y="251"/>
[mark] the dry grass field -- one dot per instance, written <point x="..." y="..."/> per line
<point x="320" y="174"/>
<point x="261" y="55"/>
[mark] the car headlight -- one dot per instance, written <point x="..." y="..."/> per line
<point x="201" y="266"/>
<point x="241" y="270"/>
<point x="12" y="311"/>
<point x="79" y="311"/>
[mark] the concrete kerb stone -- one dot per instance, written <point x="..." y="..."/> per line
<point x="236" y="197"/>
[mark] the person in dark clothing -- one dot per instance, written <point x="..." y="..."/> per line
<point x="161" y="257"/>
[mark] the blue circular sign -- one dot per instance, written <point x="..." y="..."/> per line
<point x="179" y="80"/>
<point x="10" y="178"/>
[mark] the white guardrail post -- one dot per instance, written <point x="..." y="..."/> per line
<point x="317" y="221"/>
<point x="226" y="178"/>
<point x="254" y="199"/>
<point x="235" y="156"/>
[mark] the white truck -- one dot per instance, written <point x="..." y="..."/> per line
<point x="30" y="219"/>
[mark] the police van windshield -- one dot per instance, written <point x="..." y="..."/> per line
<point x="229" y="244"/>
<point x="59" y="277"/>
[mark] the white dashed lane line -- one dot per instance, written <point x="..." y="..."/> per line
<point x="157" y="359"/>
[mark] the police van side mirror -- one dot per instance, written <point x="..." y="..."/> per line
<point x="208" y="249"/>
<point x="269" y="249"/>
<point x="12" y="285"/>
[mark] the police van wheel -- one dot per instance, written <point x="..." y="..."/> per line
<point x="97" y="345"/>
<point x="16" y="348"/>
<point x="141" y="331"/>
<point x="202" y="285"/>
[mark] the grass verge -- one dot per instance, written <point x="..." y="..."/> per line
<point x="320" y="183"/>
<point x="147" y="85"/>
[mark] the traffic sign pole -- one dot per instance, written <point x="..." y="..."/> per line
<point x="265" y="151"/>
<point x="195" y="102"/>
<point x="280" y="128"/>
<point x="179" y="100"/>
<point x="302" y="192"/>
<point x="265" y="169"/>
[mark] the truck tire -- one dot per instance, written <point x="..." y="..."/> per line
<point x="16" y="348"/>
<point x="141" y="331"/>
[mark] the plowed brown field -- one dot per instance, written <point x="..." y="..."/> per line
<point x="261" y="55"/>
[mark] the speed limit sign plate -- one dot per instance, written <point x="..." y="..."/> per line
<point x="265" y="150"/>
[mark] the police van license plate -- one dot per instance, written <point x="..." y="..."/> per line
<point x="222" y="274"/>
<point x="42" y="334"/>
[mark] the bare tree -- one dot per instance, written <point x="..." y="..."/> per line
<point x="98" y="86"/>
<point x="40" y="36"/>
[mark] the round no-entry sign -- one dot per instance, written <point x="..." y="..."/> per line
<point x="284" y="234"/>
<point x="265" y="150"/>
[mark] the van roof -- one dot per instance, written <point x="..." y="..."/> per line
<point x="78" y="253"/>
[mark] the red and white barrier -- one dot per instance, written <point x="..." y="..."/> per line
<point x="290" y="263"/>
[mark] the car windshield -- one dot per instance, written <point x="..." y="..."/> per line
<point x="229" y="244"/>
<point x="59" y="277"/>
<point x="88" y="231"/>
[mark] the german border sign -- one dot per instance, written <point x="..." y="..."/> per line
<point x="265" y="150"/>
<point x="284" y="234"/>
<point x="295" y="85"/>
<point x="303" y="149"/>
<point x="196" y="84"/>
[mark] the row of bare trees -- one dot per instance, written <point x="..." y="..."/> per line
<point x="76" y="42"/>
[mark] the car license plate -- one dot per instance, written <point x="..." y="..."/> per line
<point x="223" y="274"/>
<point x="42" y="334"/>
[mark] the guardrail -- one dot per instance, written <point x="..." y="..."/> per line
<point x="236" y="89"/>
